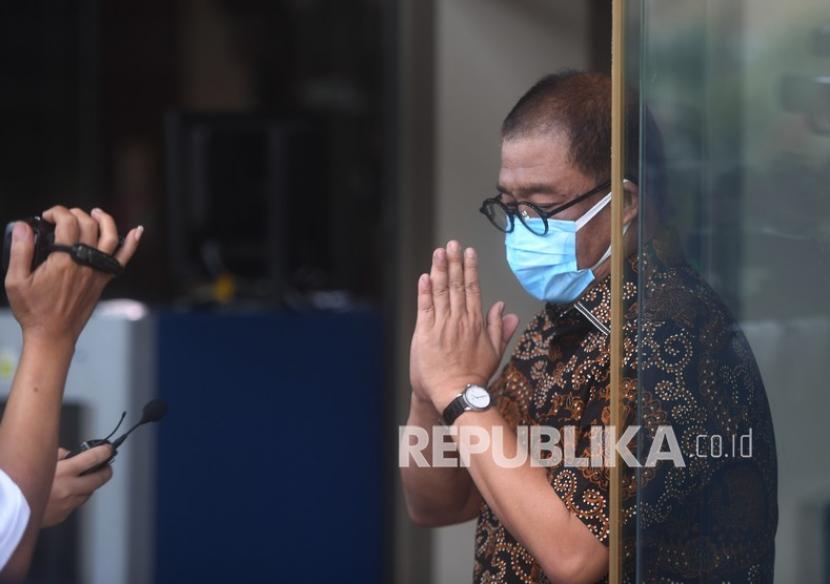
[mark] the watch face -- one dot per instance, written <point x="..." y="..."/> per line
<point x="477" y="397"/>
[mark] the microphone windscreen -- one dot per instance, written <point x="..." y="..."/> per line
<point x="154" y="411"/>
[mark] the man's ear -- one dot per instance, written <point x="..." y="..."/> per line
<point x="631" y="207"/>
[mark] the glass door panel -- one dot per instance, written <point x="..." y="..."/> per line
<point x="734" y="324"/>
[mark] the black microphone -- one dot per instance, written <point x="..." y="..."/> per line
<point x="154" y="411"/>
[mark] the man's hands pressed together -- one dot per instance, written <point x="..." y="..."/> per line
<point x="454" y="344"/>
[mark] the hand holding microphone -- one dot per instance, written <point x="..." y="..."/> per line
<point x="74" y="484"/>
<point x="154" y="411"/>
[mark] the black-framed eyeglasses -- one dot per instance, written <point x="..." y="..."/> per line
<point x="503" y="215"/>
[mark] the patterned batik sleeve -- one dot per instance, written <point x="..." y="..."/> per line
<point x="511" y="390"/>
<point x="689" y="388"/>
<point x="695" y="382"/>
<point x="506" y="393"/>
<point x="702" y="387"/>
<point x="580" y="482"/>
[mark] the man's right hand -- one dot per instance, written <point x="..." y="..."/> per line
<point x="53" y="303"/>
<point x="454" y="343"/>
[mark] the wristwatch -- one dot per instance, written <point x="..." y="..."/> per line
<point x="473" y="398"/>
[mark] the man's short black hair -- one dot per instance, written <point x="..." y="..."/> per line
<point x="579" y="105"/>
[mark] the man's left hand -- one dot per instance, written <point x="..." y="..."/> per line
<point x="454" y="345"/>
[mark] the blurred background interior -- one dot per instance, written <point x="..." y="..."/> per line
<point x="294" y="162"/>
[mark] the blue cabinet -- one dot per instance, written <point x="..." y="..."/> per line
<point x="269" y="462"/>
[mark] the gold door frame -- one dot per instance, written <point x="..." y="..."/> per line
<point x="617" y="253"/>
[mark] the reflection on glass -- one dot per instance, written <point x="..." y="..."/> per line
<point x="741" y="93"/>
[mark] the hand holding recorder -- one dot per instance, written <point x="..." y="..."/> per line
<point x="57" y="268"/>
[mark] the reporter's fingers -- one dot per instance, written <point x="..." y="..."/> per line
<point x="77" y="501"/>
<point x="438" y="277"/>
<point x="87" y="484"/>
<point x="88" y="227"/>
<point x="130" y="245"/>
<point x="20" y="255"/>
<point x="67" y="230"/>
<point x="426" y="310"/>
<point x="88" y="459"/>
<point x="62" y="452"/>
<point x="458" y="301"/>
<point x="107" y="231"/>
<point x="471" y="286"/>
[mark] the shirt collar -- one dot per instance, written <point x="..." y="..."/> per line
<point x="594" y="305"/>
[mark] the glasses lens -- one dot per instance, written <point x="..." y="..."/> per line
<point x="530" y="218"/>
<point x="497" y="215"/>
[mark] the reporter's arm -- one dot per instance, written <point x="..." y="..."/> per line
<point x="52" y="305"/>
<point x="29" y="434"/>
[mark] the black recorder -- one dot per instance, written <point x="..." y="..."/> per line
<point x="44" y="232"/>
<point x="154" y="411"/>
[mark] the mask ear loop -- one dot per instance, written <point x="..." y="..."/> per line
<point x="591" y="213"/>
<point x="607" y="253"/>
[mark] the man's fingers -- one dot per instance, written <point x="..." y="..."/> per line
<point x="495" y="325"/>
<point x="62" y="452"/>
<point x="107" y="231"/>
<point x="67" y="230"/>
<point x="426" y="310"/>
<point x="88" y="226"/>
<point x="510" y="324"/>
<point x="87" y="459"/>
<point x="127" y="250"/>
<point x="472" y="288"/>
<point x="455" y="261"/>
<point x="438" y="278"/>
<point x="20" y="255"/>
<point x="501" y="327"/>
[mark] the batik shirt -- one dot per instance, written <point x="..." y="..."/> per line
<point x="712" y="520"/>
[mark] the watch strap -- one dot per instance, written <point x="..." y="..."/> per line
<point x="457" y="407"/>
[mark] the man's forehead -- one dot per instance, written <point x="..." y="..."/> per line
<point x="535" y="160"/>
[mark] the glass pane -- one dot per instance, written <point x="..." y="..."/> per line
<point x="734" y="324"/>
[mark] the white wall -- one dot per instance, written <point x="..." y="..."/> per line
<point x="488" y="52"/>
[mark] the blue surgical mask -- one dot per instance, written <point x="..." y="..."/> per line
<point x="546" y="265"/>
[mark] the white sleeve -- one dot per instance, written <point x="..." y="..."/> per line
<point x="14" y="517"/>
